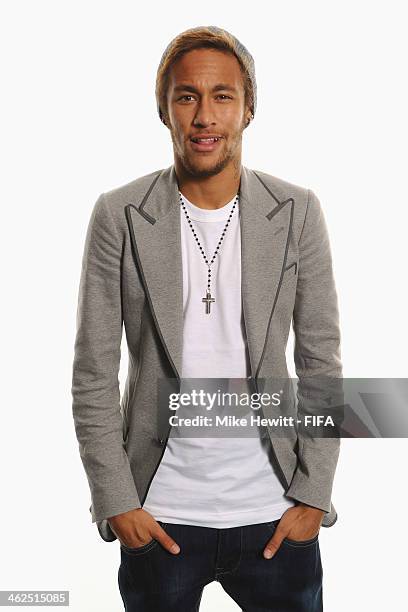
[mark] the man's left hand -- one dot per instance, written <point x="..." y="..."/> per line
<point x="301" y="522"/>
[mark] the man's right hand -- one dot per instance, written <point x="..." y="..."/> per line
<point x="137" y="528"/>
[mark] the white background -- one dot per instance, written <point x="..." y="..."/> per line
<point x="79" y="118"/>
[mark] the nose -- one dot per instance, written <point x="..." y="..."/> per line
<point x="204" y="115"/>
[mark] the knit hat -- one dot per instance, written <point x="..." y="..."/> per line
<point x="239" y="49"/>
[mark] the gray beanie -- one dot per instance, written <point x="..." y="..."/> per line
<point x="239" y="49"/>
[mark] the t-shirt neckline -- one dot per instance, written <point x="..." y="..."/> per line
<point x="203" y="214"/>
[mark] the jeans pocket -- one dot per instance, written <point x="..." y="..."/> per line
<point x="140" y="550"/>
<point x="298" y="543"/>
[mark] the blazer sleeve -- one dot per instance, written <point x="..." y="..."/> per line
<point x="95" y="385"/>
<point x="317" y="358"/>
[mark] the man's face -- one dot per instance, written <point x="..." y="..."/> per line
<point x="206" y="97"/>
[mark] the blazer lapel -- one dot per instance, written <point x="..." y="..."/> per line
<point x="154" y="225"/>
<point x="266" y="222"/>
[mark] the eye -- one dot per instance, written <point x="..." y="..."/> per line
<point x="186" y="96"/>
<point x="224" y="96"/>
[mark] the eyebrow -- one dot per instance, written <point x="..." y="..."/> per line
<point x="218" y="87"/>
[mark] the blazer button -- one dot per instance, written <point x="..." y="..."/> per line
<point x="161" y="441"/>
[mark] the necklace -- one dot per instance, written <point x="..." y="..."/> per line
<point x="208" y="299"/>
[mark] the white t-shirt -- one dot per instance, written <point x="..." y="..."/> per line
<point x="209" y="481"/>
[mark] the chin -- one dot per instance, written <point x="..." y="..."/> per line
<point x="205" y="167"/>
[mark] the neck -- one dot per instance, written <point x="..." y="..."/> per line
<point x="211" y="192"/>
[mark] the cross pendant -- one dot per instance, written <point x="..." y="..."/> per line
<point x="208" y="299"/>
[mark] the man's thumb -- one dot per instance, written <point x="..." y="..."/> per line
<point x="167" y="542"/>
<point x="273" y="544"/>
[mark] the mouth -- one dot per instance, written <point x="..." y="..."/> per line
<point x="205" y="143"/>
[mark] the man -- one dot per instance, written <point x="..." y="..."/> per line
<point x="206" y="263"/>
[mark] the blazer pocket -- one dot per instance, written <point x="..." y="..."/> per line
<point x="291" y="268"/>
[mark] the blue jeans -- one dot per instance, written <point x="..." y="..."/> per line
<point x="152" y="579"/>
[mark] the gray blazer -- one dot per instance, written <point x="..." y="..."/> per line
<point x="132" y="275"/>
